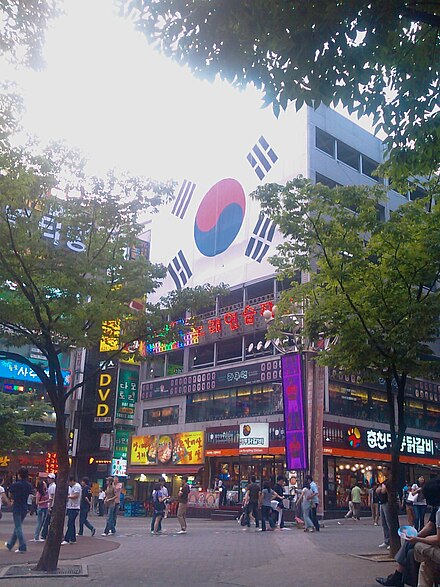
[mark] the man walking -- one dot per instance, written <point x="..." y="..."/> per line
<point x="279" y="489"/>
<point x="382" y="494"/>
<point x="314" y="502"/>
<point x="19" y="491"/>
<point x="73" y="507"/>
<point x="253" y="494"/>
<point x="183" y="504"/>
<point x="51" y="489"/>
<point x="356" y="499"/>
<point x="86" y="502"/>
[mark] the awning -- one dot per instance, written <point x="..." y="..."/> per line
<point x="158" y="470"/>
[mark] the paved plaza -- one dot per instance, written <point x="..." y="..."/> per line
<point x="211" y="553"/>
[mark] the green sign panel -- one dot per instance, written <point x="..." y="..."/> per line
<point x="121" y="444"/>
<point x="127" y="394"/>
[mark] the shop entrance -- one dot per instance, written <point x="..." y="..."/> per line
<point x="235" y="472"/>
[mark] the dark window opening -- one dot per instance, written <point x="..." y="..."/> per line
<point x="348" y="155"/>
<point x="331" y="183"/>
<point x="325" y="142"/>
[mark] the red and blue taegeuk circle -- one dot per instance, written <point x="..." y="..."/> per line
<point x="219" y="217"/>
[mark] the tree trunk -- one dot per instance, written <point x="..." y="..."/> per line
<point x="393" y="501"/>
<point x="51" y="551"/>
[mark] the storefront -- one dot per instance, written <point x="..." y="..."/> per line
<point x="165" y="457"/>
<point x="235" y="462"/>
<point x="355" y="454"/>
<point x="12" y="461"/>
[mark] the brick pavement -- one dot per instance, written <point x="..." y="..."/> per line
<point x="218" y="553"/>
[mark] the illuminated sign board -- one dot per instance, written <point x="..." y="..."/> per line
<point x="186" y="448"/>
<point x="254" y="438"/>
<point x="127" y="394"/>
<point x="15" y="370"/>
<point x="296" y="455"/>
<point x="105" y="399"/>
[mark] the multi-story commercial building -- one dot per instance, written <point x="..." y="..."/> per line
<point x="211" y="404"/>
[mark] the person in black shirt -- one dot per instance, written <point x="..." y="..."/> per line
<point x="86" y="502"/>
<point x="279" y="489"/>
<point x="19" y="491"/>
<point x="253" y="494"/>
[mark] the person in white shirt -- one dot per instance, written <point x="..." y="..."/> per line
<point x="51" y="489"/>
<point x="3" y="497"/>
<point x="73" y="506"/>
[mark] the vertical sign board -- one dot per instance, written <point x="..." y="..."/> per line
<point x="291" y="370"/>
<point x="122" y="439"/>
<point x="127" y="394"/>
<point x="105" y="398"/>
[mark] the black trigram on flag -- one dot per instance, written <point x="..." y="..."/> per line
<point x="261" y="239"/>
<point x="262" y="157"/>
<point x="179" y="270"/>
<point x="183" y="198"/>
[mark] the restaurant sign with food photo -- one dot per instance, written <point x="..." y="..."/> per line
<point x="186" y="448"/>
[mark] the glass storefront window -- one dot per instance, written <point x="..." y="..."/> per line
<point x="161" y="416"/>
<point x="350" y="402"/>
<point x="378" y="411"/>
<point x="432" y="417"/>
<point x="224" y="404"/>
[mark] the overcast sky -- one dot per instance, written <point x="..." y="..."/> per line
<point x="107" y="92"/>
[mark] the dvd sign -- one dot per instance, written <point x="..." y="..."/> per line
<point x="254" y="438"/>
<point x="105" y="399"/>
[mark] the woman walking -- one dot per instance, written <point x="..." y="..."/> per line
<point x="109" y="501"/>
<point x="306" y="504"/>
<point x="42" y="500"/>
<point x="419" y="503"/>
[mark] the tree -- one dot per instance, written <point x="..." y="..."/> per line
<point x="65" y="269"/>
<point x="377" y="58"/>
<point x="373" y="287"/>
<point x="14" y="410"/>
<point x="23" y="27"/>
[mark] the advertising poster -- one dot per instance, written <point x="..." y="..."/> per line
<point x="296" y="456"/>
<point x="186" y="448"/>
<point x="105" y="399"/>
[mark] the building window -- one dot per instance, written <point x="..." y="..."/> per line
<point x="325" y="142"/>
<point x="243" y="402"/>
<point x="160" y="416"/>
<point x="348" y="155"/>
<point x="417" y="193"/>
<point x="331" y="183"/>
<point x="380" y="213"/>
<point x="369" y="166"/>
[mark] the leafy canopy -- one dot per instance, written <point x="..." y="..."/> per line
<point x="14" y="410"/>
<point x="373" y="285"/>
<point x="378" y="58"/>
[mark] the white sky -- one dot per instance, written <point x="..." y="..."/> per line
<point x="107" y="92"/>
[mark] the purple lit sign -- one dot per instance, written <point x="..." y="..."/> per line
<point x="296" y="457"/>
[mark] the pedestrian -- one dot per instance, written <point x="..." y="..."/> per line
<point x="356" y="499"/>
<point x="279" y="490"/>
<point x="419" y="503"/>
<point x="101" y="498"/>
<point x="222" y="493"/>
<point x="382" y="494"/>
<point x="430" y="530"/>
<point x="118" y="490"/>
<point x="165" y="493"/>
<point x="19" y="491"/>
<point x="427" y="550"/>
<point x="109" y="501"/>
<point x="373" y="502"/>
<point x="51" y="489"/>
<point x="159" y="508"/>
<point x="306" y="504"/>
<point x="267" y="495"/>
<point x="314" y="502"/>
<point x="153" y="517"/>
<point x="42" y="500"/>
<point x="253" y="496"/>
<point x="73" y="508"/>
<point x="3" y="497"/>
<point x="182" y="498"/>
<point x="31" y="503"/>
<point x="86" y="502"/>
